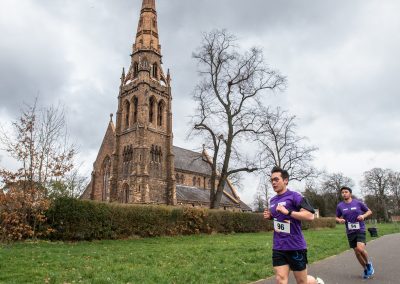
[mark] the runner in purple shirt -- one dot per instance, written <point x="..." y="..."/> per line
<point x="352" y="213"/>
<point x="287" y="209"/>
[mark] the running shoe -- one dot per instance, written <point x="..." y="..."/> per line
<point x="365" y="274"/>
<point x="370" y="269"/>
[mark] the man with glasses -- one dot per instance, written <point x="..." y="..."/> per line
<point x="353" y="212"/>
<point x="287" y="210"/>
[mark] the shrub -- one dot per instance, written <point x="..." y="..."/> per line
<point x="74" y="219"/>
<point x="22" y="213"/>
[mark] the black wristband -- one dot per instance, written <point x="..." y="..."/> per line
<point x="289" y="212"/>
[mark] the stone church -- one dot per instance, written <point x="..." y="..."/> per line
<point x="137" y="161"/>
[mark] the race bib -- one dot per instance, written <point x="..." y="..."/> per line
<point x="282" y="227"/>
<point x="353" y="226"/>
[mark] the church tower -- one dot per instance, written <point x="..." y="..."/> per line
<point x="142" y="166"/>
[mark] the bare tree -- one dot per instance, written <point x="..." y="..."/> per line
<point x="394" y="189"/>
<point x="282" y="147"/>
<point x="330" y="189"/>
<point x="228" y="99"/>
<point x="261" y="198"/>
<point x="38" y="142"/>
<point x="376" y="182"/>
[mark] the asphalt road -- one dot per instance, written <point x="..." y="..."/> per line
<point x="345" y="269"/>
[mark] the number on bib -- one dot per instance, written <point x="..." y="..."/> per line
<point x="353" y="226"/>
<point x="282" y="227"/>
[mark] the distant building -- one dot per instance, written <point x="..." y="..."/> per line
<point x="137" y="162"/>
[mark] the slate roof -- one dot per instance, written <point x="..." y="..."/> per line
<point x="194" y="194"/>
<point x="190" y="161"/>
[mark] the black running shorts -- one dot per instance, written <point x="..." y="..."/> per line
<point x="356" y="237"/>
<point x="296" y="259"/>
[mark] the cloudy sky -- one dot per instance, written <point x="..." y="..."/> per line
<point x="341" y="59"/>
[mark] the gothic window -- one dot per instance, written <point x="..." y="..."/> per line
<point x="127" y="157"/>
<point x="198" y="182"/>
<point x="125" y="193"/>
<point x="154" y="23"/>
<point x="182" y="179"/>
<point x="159" y="154"/>
<point x="106" y="170"/>
<point x="156" y="154"/>
<point x="160" y="113"/>
<point x="151" y="109"/>
<point x="135" y="69"/>
<point x="177" y="178"/>
<point x="135" y="109"/>
<point x="194" y="181"/>
<point x="209" y="183"/>
<point x="127" y="109"/>
<point x="154" y="70"/>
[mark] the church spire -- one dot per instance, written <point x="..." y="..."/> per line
<point x="147" y="31"/>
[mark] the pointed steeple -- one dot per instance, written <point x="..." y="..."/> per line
<point x="147" y="31"/>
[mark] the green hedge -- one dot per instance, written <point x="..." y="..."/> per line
<point x="73" y="219"/>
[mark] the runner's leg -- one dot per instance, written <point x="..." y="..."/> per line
<point x="282" y="274"/>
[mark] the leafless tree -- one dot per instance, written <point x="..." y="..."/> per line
<point x="330" y="189"/>
<point x="261" y="198"/>
<point x="282" y="147"/>
<point x="228" y="98"/>
<point x="394" y="189"/>
<point x="376" y="182"/>
<point x="38" y="140"/>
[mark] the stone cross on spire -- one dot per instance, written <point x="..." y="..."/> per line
<point x="147" y="31"/>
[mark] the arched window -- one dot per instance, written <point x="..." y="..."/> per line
<point x="182" y="179"/>
<point x="125" y="193"/>
<point x="152" y="104"/>
<point x="106" y="170"/>
<point x="194" y="181"/>
<point x="127" y="110"/>
<point x="135" y="109"/>
<point x="135" y="69"/>
<point x="155" y="70"/>
<point x="177" y="178"/>
<point x="198" y="182"/>
<point x="160" y="113"/>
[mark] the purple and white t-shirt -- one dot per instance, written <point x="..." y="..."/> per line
<point x="350" y="212"/>
<point x="287" y="230"/>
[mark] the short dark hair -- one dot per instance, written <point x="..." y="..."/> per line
<point x="284" y="173"/>
<point x="346" y="188"/>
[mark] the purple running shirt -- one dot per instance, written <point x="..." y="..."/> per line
<point x="291" y="236"/>
<point x="350" y="212"/>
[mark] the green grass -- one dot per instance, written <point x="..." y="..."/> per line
<point x="237" y="258"/>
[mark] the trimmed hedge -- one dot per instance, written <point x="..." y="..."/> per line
<point x="73" y="219"/>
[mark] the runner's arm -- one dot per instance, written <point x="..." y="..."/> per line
<point x="365" y="215"/>
<point x="303" y="215"/>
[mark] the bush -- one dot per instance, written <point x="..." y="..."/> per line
<point x="73" y="219"/>
<point x="324" y="222"/>
<point x="22" y="214"/>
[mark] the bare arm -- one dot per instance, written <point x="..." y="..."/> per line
<point x="340" y="220"/>
<point x="303" y="214"/>
<point x="365" y="215"/>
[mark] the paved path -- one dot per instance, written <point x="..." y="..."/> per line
<point x="345" y="269"/>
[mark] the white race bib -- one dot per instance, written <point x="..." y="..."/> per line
<point x="353" y="226"/>
<point x="282" y="227"/>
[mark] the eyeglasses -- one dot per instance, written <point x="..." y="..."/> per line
<point x="276" y="179"/>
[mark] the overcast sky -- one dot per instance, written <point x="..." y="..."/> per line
<point x="341" y="59"/>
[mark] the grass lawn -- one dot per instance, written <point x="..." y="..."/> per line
<point x="237" y="258"/>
